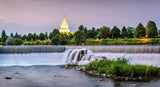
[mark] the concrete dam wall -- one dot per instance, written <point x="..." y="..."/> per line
<point x="120" y="49"/>
<point x="29" y="49"/>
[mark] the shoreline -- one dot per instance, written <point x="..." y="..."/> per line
<point x="80" y="68"/>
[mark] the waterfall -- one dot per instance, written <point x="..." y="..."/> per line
<point x="29" y="59"/>
<point x="83" y="56"/>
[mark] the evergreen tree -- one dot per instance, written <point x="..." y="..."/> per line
<point x="3" y="34"/>
<point x="115" y="32"/>
<point x="81" y="27"/>
<point x="140" y="31"/>
<point x="11" y="35"/>
<point x="124" y="32"/>
<point x="151" y="30"/>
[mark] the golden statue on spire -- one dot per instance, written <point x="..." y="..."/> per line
<point x="64" y="26"/>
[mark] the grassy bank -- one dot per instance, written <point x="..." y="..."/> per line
<point x="121" y="68"/>
<point x="119" y="41"/>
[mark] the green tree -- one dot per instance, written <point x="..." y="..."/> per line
<point x="46" y="35"/>
<point x="81" y="27"/>
<point x="41" y="36"/>
<point x="17" y="41"/>
<point x="56" y="39"/>
<point x="24" y="37"/>
<point x="70" y="36"/>
<point x="9" y="41"/>
<point x="130" y="32"/>
<point x="151" y="30"/>
<point x="105" y="33"/>
<point x="140" y="31"/>
<point x="53" y="33"/>
<point x="11" y="35"/>
<point x="79" y="37"/>
<point x="115" y="32"/>
<point x="16" y="35"/>
<point x="3" y="34"/>
<point x="124" y="32"/>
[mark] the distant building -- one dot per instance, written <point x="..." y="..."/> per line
<point x="64" y="26"/>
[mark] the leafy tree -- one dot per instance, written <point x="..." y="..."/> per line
<point x="17" y="41"/>
<point x="53" y="33"/>
<point x="50" y="35"/>
<point x="151" y="30"/>
<point x="124" y="32"/>
<point x="90" y="34"/>
<point x="81" y="27"/>
<point x="70" y="35"/>
<point x="140" y="31"/>
<point x="9" y="41"/>
<point x="24" y="37"/>
<point x="79" y="37"/>
<point x="41" y="36"/>
<point x="29" y="37"/>
<point x="105" y="33"/>
<point x="34" y="36"/>
<point x="115" y="32"/>
<point x="130" y="32"/>
<point x="55" y="39"/>
<point x="46" y="35"/>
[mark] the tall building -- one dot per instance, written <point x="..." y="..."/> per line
<point x="64" y="26"/>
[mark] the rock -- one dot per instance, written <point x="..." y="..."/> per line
<point x="8" y="78"/>
<point x="63" y="66"/>
<point x="16" y="73"/>
<point x="140" y="78"/>
<point x="103" y="79"/>
<point x="96" y="85"/>
<point x="104" y="75"/>
<point x="90" y="72"/>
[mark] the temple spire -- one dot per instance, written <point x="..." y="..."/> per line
<point x="64" y="26"/>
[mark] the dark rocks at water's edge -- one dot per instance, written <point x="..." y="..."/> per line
<point x="29" y="49"/>
<point x="103" y="76"/>
<point x="8" y="78"/>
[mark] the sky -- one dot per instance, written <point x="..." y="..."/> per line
<point x="36" y="16"/>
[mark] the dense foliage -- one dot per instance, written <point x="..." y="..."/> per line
<point x="121" y="68"/>
<point x="100" y="36"/>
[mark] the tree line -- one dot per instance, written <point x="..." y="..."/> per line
<point x="80" y="36"/>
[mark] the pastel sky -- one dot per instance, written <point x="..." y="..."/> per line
<point x="24" y="16"/>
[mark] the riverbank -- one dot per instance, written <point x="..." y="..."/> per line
<point x="118" y="70"/>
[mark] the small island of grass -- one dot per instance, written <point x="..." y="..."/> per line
<point x="119" y="70"/>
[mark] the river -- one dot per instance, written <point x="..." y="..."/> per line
<point x="41" y="70"/>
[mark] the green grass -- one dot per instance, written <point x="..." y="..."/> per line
<point x="72" y="65"/>
<point x="121" y="68"/>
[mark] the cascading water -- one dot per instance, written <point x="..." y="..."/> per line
<point x="75" y="56"/>
<point x="28" y="59"/>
